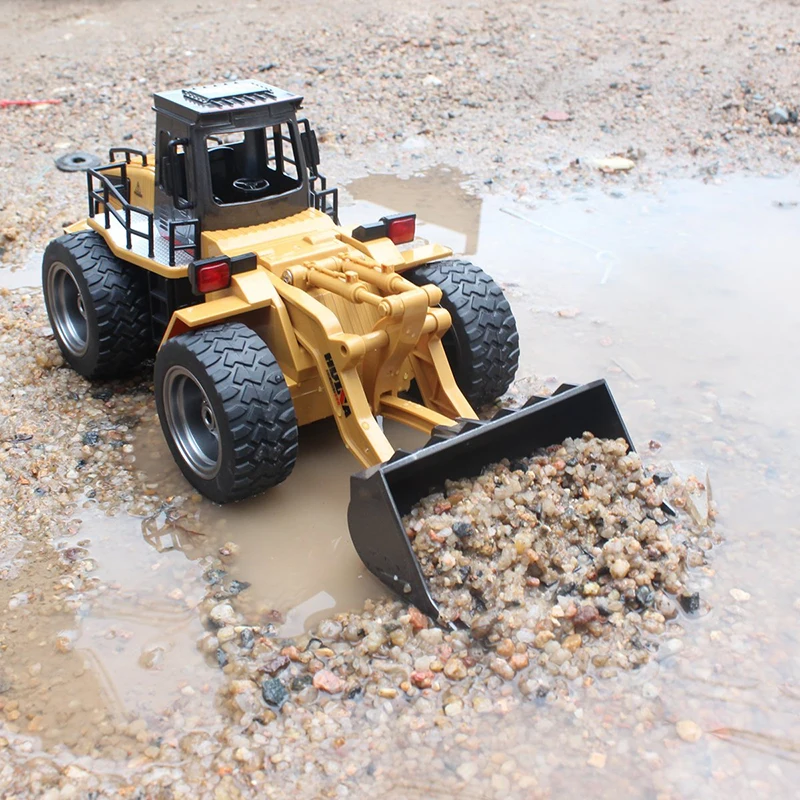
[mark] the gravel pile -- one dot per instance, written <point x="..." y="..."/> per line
<point x="574" y="552"/>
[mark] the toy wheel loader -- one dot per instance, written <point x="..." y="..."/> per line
<point x="222" y="256"/>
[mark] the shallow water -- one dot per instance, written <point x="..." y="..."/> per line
<point x="685" y="301"/>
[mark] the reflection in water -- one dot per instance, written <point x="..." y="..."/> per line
<point x="437" y="198"/>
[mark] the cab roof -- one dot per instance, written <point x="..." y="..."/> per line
<point x="198" y="102"/>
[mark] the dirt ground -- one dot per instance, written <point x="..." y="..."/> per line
<point x="683" y="88"/>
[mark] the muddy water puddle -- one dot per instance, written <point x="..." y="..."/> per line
<point x="683" y="300"/>
<point x="294" y="549"/>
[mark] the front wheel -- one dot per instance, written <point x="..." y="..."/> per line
<point x="226" y="411"/>
<point x="482" y="345"/>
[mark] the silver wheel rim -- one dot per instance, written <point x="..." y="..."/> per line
<point x="192" y="422"/>
<point x="68" y="309"/>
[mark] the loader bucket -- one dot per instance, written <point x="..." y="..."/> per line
<point x="380" y="496"/>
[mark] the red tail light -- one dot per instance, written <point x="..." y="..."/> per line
<point x="401" y="228"/>
<point x="210" y="276"/>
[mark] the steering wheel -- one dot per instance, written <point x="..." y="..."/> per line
<point x="251" y="185"/>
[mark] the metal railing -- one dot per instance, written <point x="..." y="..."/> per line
<point x="102" y="191"/>
<point x="188" y="246"/>
<point x="128" y="152"/>
<point x="324" y="199"/>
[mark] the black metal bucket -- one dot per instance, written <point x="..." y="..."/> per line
<point x="380" y="496"/>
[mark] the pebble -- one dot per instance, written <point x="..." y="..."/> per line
<point x="483" y="624"/>
<point x="418" y="620"/>
<point x="597" y="760"/>
<point x="739" y="595"/>
<point x="274" y="692"/>
<point x="620" y="568"/>
<point x="688" y="731"/>
<point x="454" y="708"/>
<point x="778" y="116"/>
<point x="422" y="679"/>
<point x="327" y="681"/>
<point x="455" y="669"/>
<point x="223" y="615"/>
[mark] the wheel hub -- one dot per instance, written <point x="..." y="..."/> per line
<point x="68" y="309"/>
<point x="191" y="422"/>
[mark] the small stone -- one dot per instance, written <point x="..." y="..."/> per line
<point x="620" y="568"/>
<point x="152" y="657"/>
<point x="63" y="643"/>
<point x="502" y="668"/>
<point x="542" y="638"/>
<point x="222" y="615"/>
<point x="614" y="164"/>
<point x="454" y="708"/>
<point x="387" y="692"/>
<point x="556" y="116"/>
<point x="418" y="620"/>
<point x="483" y="624"/>
<point x="778" y="116"/>
<point x="597" y="760"/>
<point x="505" y="648"/>
<point x="327" y="681"/>
<point x="467" y="771"/>
<point x="463" y="530"/>
<point x="572" y="642"/>
<point x="422" y="679"/>
<point x="226" y="634"/>
<point x="276" y="664"/>
<point x="688" y="731"/>
<point x="690" y="603"/>
<point x="518" y="661"/>
<point x="229" y="549"/>
<point x="586" y="614"/>
<point x="242" y="754"/>
<point x="739" y="595"/>
<point x="455" y="669"/>
<point x="274" y="692"/>
<point x="91" y="438"/>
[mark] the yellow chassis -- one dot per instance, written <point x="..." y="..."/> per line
<point x="348" y="330"/>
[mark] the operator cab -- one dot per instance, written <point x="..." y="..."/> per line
<point x="232" y="155"/>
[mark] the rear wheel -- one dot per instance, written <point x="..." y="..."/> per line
<point x="98" y="306"/>
<point x="482" y="345"/>
<point x="226" y="411"/>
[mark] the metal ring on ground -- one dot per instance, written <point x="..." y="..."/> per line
<point x="77" y="162"/>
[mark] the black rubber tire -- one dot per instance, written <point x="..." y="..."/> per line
<point x="251" y="404"/>
<point x="116" y="335"/>
<point x="482" y="345"/>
